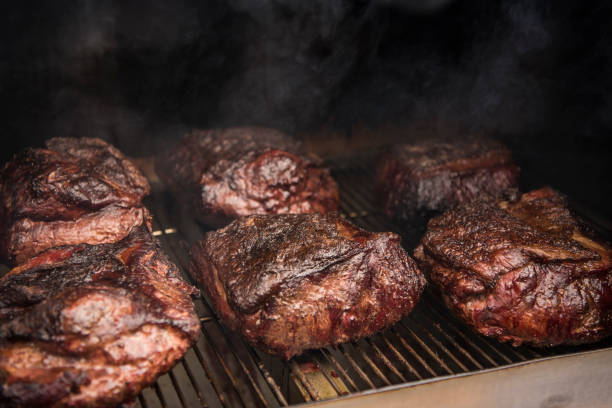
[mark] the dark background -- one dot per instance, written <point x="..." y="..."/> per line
<point x="536" y="74"/>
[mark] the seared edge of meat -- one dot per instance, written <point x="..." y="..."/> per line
<point x="289" y="283"/>
<point x="90" y="326"/>
<point x="524" y="271"/>
<point x="249" y="170"/>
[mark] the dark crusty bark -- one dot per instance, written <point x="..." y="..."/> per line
<point x="75" y="191"/>
<point x="524" y="271"/>
<point x="90" y="326"/>
<point x="293" y="282"/>
<point x="434" y="175"/>
<point x="242" y="171"/>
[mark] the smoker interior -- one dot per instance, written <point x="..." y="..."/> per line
<point x="221" y="370"/>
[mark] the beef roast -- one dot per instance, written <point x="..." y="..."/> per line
<point x="241" y="171"/>
<point x="90" y="326"/>
<point x="75" y="191"/>
<point x="436" y="174"/>
<point x="293" y="282"/>
<point x="525" y="270"/>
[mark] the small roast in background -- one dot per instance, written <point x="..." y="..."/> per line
<point x="224" y="174"/>
<point x="294" y="282"/>
<point x="522" y="270"/>
<point x="74" y="191"/>
<point x="90" y="326"/>
<point x="436" y="174"/>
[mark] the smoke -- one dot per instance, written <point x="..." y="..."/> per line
<point x="129" y="71"/>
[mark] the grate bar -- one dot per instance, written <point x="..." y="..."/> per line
<point x="427" y="348"/>
<point x="339" y="368"/>
<point x="388" y="363"/>
<point x="454" y="342"/>
<point x="401" y="358"/>
<point x="441" y="346"/>
<point x="371" y="363"/>
<point x="295" y="369"/>
<point x="414" y="353"/>
<point x="183" y="384"/>
<point x="356" y="367"/>
<point x="200" y="380"/>
<point x="150" y="399"/>
<point x="167" y="391"/>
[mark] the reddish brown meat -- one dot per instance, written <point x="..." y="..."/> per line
<point x="90" y="326"/>
<point x="75" y="191"/>
<point x="434" y="175"/>
<point x="289" y="283"/>
<point x="525" y="271"/>
<point x="243" y="171"/>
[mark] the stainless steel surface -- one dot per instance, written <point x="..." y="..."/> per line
<point x="428" y="346"/>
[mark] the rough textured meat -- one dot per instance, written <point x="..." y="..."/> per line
<point x="75" y="191"/>
<point x="525" y="271"/>
<point x="434" y="175"/>
<point x="90" y="326"/>
<point x="293" y="282"/>
<point x="242" y="171"/>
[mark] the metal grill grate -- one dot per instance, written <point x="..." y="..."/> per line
<point x="221" y="370"/>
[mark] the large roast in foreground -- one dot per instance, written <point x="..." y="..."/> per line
<point x="289" y="283"/>
<point x="522" y="270"/>
<point x="90" y="326"/>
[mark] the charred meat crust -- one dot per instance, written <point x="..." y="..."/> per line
<point x="434" y="175"/>
<point x="242" y="171"/>
<point x="90" y="326"/>
<point x="525" y="271"/>
<point x="289" y="283"/>
<point x="76" y="190"/>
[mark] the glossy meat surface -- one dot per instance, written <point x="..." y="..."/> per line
<point x="524" y="270"/>
<point x="90" y="326"/>
<point x="434" y="175"/>
<point x="242" y="171"/>
<point x="293" y="282"/>
<point x="74" y="191"/>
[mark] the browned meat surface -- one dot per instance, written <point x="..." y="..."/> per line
<point x="75" y="191"/>
<point x="434" y="175"/>
<point x="289" y="283"/>
<point x="90" y="326"/>
<point x="524" y="271"/>
<point x="242" y="171"/>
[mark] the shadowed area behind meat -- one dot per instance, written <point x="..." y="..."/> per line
<point x="75" y="191"/>
<point x="242" y="171"/>
<point x="90" y="326"/>
<point x="523" y="270"/>
<point x="294" y="282"/>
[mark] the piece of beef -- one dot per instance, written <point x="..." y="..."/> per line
<point x="223" y="174"/>
<point x="525" y="271"/>
<point x="436" y="174"/>
<point x="90" y="326"/>
<point x="75" y="191"/>
<point x="294" y="282"/>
